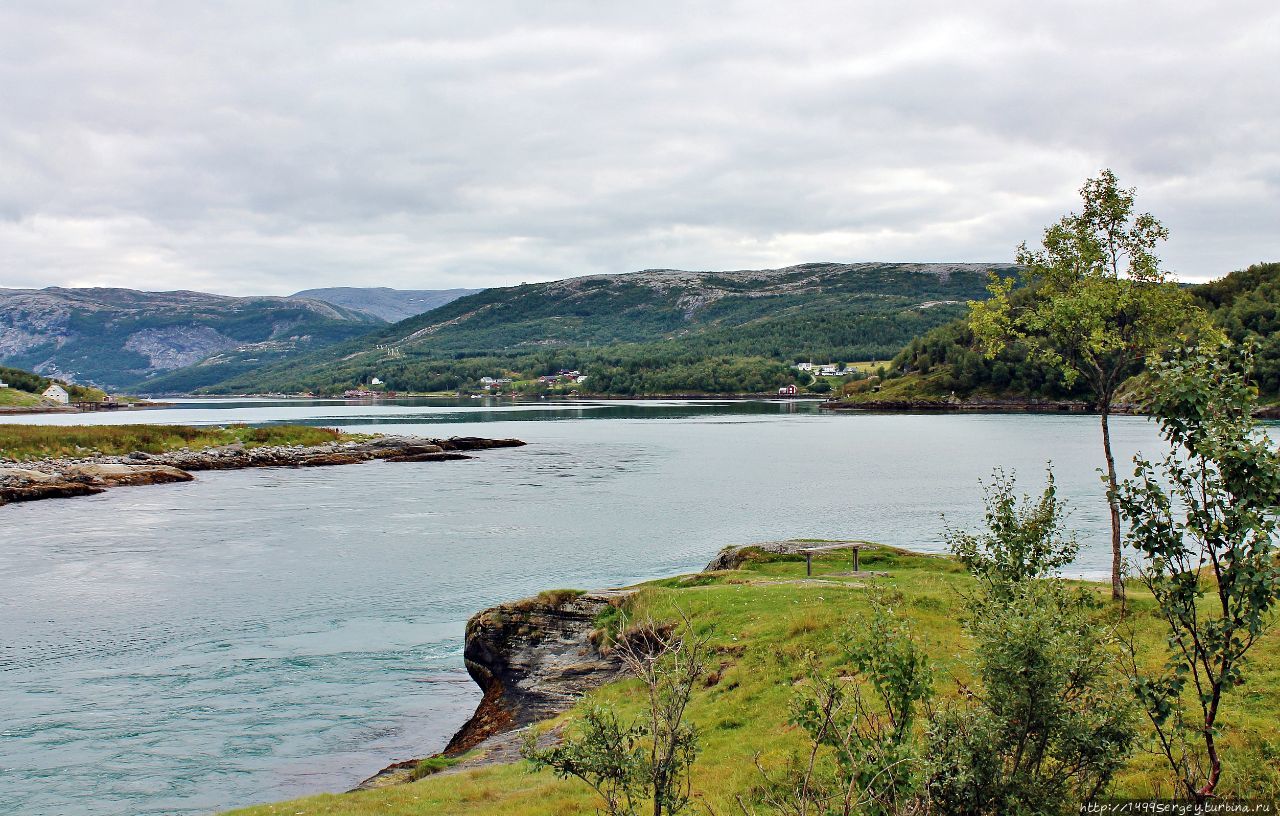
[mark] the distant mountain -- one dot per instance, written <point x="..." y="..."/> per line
<point x="123" y="339"/>
<point x="626" y="327"/>
<point x="392" y="305"/>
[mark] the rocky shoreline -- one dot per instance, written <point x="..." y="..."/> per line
<point x="67" y="478"/>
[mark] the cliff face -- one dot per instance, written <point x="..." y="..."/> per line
<point x="533" y="659"/>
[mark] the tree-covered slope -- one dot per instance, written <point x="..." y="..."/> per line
<point x="1246" y="305"/>
<point x="121" y="338"/>
<point x="945" y="361"/>
<point x="635" y="330"/>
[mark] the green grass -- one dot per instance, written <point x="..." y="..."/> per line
<point x="25" y="443"/>
<point x="12" y="397"/>
<point x="763" y="620"/>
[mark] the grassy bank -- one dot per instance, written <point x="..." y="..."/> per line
<point x="14" y="398"/>
<point x="25" y="443"/>
<point x="763" y="620"/>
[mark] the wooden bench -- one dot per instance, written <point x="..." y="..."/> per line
<point x="856" y="546"/>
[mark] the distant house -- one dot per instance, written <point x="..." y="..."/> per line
<point x="788" y="391"/>
<point x="804" y="366"/>
<point x="375" y="381"/>
<point x="57" y="394"/>
<point x="3" y="384"/>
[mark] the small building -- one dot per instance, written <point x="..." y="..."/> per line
<point x="804" y="366"/>
<point x="788" y="391"/>
<point x="375" y="381"/>
<point x="3" y="384"/>
<point x="56" y="393"/>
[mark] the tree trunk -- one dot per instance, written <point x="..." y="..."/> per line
<point x="1117" y="579"/>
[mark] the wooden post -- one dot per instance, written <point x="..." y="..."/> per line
<point x="808" y="564"/>
<point x="855" y="559"/>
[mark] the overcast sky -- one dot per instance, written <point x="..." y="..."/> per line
<point x="265" y="147"/>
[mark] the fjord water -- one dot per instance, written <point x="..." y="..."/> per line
<point x="262" y="634"/>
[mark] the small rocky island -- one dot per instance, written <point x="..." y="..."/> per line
<point x="65" y="477"/>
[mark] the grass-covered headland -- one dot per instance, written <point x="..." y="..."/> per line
<point x="24" y="443"/>
<point x="765" y="624"/>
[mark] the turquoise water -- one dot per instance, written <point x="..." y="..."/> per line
<point x="262" y="634"/>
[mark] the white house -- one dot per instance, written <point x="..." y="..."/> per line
<point x="804" y="366"/>
<point x="375" y="381"/>
<point x="56" y="393"/>
<point x="3" y="384"/>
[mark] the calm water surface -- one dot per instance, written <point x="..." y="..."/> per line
<point x="261" y="634"/>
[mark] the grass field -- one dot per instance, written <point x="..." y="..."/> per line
<point x="763" y="620"/>
<point x="24" y="443"/>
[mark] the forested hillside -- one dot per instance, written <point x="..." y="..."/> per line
<point x="657" y="331"/>
<point x="1245" y="304"/>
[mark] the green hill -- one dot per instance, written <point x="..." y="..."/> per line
<point x="656" y="331"/>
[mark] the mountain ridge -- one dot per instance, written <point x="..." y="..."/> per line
<point x="391" y="305"/>
<point x="118" y="338"/>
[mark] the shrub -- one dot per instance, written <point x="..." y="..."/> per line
<point x="1023" y="539"/>
<point x="1050" y="723"/>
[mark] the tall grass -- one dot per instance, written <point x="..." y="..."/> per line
<point x="29" y="442"/>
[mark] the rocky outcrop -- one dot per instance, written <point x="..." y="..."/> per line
<point x="65" y="478"/>
<point x="533" y="659"/>
<point x="733" y="557"/>
<point x="21" y="484"/>
<point x="115" y="475"/>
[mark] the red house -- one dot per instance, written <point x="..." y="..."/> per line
<point x="787" y="391"/>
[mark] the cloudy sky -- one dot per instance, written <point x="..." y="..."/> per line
<point x="266" y="147"/>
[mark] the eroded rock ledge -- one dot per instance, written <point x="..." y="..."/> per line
<point x="65" y="478"/>
<point x="533" y="659"/>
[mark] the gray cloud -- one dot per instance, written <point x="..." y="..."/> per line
<point x="263" y="148"/>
